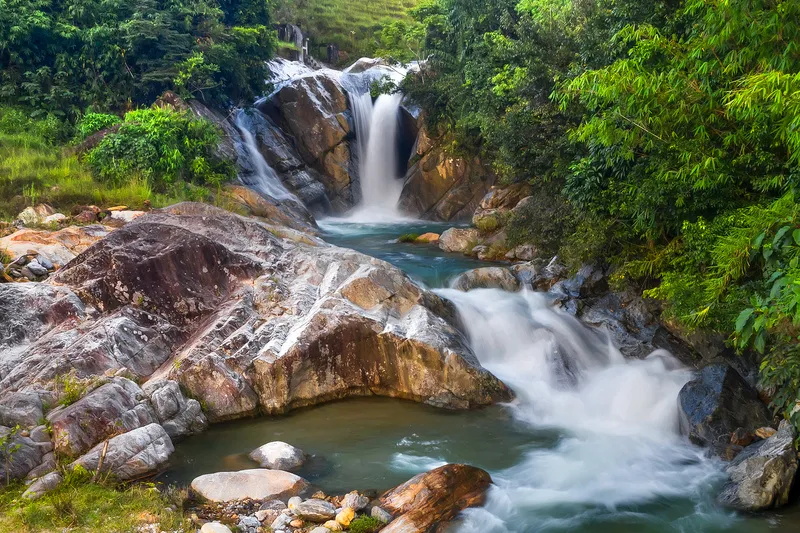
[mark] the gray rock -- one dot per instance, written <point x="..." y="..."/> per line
<point x="21" y="408"/>
<point x="214" y="527"/>
<point x="45" y="262"/>
<point x="355" y="501"/>
<point x="274" y="505"/>
<point x="294" y="501"/>
<point x="761" y="477"/>
<point x="21" y="455"/>
<point x="47" y="465"/>
<point x="279" y="455"/>
<point x="320" y="529"/>
<point x="379" y="513"/>
<point x="281" y="523"/>
<point x="37" y="269"/>
<point x="105" y="411"/>
<point x="486" y="278"/>
<point x="248" y="524"/>
<point x="142" y="451"/>
<point x="315" y="510"/>
<point x="716" y="404"/>
<point x="178" y="415"/>
<point x="43" y="485"/>
<point x="256" y="484"/>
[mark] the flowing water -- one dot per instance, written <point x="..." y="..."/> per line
<point x="263" y="179"/>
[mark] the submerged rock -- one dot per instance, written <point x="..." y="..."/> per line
<point x="434" y="498"/>
<point x="761" y="477"/>
<point x="256" y="484"/>
<point x="718" y="403"/>
<point x="279" y="455"/>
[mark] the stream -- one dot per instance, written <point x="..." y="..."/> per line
<point x="590" y="444"/>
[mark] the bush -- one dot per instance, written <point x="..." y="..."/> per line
<point x="164" y="147"/>
<point x="365" y="524"/>
<point x="91" y="123"/>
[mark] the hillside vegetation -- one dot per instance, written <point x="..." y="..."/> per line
<point x="351" y="24"/>
<point x="660" y="137"/>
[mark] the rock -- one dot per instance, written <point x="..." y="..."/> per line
<point x="267" y="515"/>
<point x="765" y="433"/>
<point x="523" y="252"/>
<point x="741" y="437"/>
<point x="296" y="523"/>
<point x="761" y="477"/>
<point x="279" y="456"/>
<point x="104" y="412"/>
<point x="281" y="523"/>
<point x="53" y="248"/>
<point x="355" y="501"/>
<point x="43" y="485"/>
<point x="434" y="498"/>
<point x="381" y="514"/>
<point x="716" y="404"/>
<point x="248" y="524"/>
<point x="315" y="510"/>
<point x="125" y="215"/>
<point x="345" y="516"/>
<point x="134" y="454"/>
<point x="36" y="268"/>
<point x="333" y="525"/>
<point x="21" y="408"/>
<point x="294" y="502"/>
<point x="85" y="217"/>
<point x="320" y="529"/>
<point x="256" y="484"/>
<point x="458" y="240"/>
<point x="214" y="527"/>
<point x="431" y="238"/>
<point x="55" y="218"/>
<point x="481" y="252"/>
<point x="178" y="415"/>
<point x="589" y="281"/>
<point x="24" y="456"/>
<point x="486" y="278"/>
<point x="32" y="216"/>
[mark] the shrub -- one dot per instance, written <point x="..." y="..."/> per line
<point x="365" y="524"/>
<point x="91" y="123"/>
<point x="163" y="146"/>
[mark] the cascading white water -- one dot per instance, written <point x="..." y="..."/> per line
<point x="380" y="186"/>
<point x="618" y="419"/>
<point x="264" y="179"/>
<point x="361" y="105"/>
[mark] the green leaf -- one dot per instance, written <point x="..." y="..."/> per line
<point x="796" y="236"/>
<point x="744" y="317"/>
<point x="779" y="235"/>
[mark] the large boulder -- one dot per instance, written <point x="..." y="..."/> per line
<point x="117" y="406"/>
<point x="461" y="240"/>
<point x="279" y="455"/>
<point x="761" y="477"/>
<point x="486" y="278"/>
<point x="434" y="498"/>
<point x="130" y="456"/>
<point x="256" y="484"/>
<point x="716" y="404"/>
<point x="440" y="186"/>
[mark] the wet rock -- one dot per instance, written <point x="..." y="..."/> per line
<point x="435" y="497"/>
<point x="134" y="454"/>
<point x="43" y="485"/>
<point x="256" y="484"/>
<point x="458" y="240"/>
<point x="716" y="404"/>
<point x="315" y="510"/>
<point x="279" y="455"/>
<point x="179" y="416"/>
<point x="104" y="412"/>
<point x="761" y="477"/>
<point x="741" y="437"/>
<point x="486" y="278"/>
<point x="431" y="238"/>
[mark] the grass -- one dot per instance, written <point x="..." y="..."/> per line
<point x="365" y="524"/>
<point x="33" y="171"/>
<point x="351" y="24"/>
<point x="81" y="506"/>
<point x="408" y="237"/>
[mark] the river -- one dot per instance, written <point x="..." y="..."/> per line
<point x="590" y="444"/>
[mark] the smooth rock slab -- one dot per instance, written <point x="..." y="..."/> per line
<point x="761" y="477"/>
<point x="214" y="527"/>
<point x="279" y="455"/>
<point x="256" y="484"/>
<point x="131" y="455"/>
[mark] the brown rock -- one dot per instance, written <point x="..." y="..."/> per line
<point x="741" y="437"/>
<point x="765" y="432"/>
<point x="432" y="238"/>
<point x="435" y="497"/>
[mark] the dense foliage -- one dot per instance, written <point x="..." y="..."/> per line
<point x="61" y="57"/>
<point x="661" y="136"/>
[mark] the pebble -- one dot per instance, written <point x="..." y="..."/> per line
<point x="296" y="523"/>
<point x="215" y="527"/>
<point x="294" y="502"/>
<point x="333" y="525"/>
<point x="320" y="529"/>
<point x="282" y="522"/>
<point x="355" y="501"/>
<point x="37" y="269"/>
<point x="346" y="516"/>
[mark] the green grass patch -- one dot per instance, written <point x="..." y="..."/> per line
<point x="351" y="24"/>
<point x="81" y="506"/>
<point x="365" y="524"/>
<point x="408" y="237"/>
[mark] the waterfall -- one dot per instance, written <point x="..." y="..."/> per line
<point x="380" y="186"/>
<point x="263" y="179"/>
<point x="361" y="105"/>
<point x="617" y="418"/>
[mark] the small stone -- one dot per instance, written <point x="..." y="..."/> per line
<point x="765" y="433"/>
<point x="381" y="514"/>
<point x="741" y="437"/>
<point x="319" y="495"/>
<point x="267" y="515"/>
<point x="431" y="238"/>
<point x="315" y="510"/>
<point x="355" y="501"/>
<point x="320" y="529"/>
<point x="333" y="525"/>
<point x="346" y="516"/>
<point x="274" y="505"/>
<point x="214" y="527"/>
<point x="296" y="523"/>
<point x="55" y="218"/>
<point x="282" y="522"/>
<point x="294" y="502"/>
<point x="249" y="524"/>
<point x="37" y="269"/>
